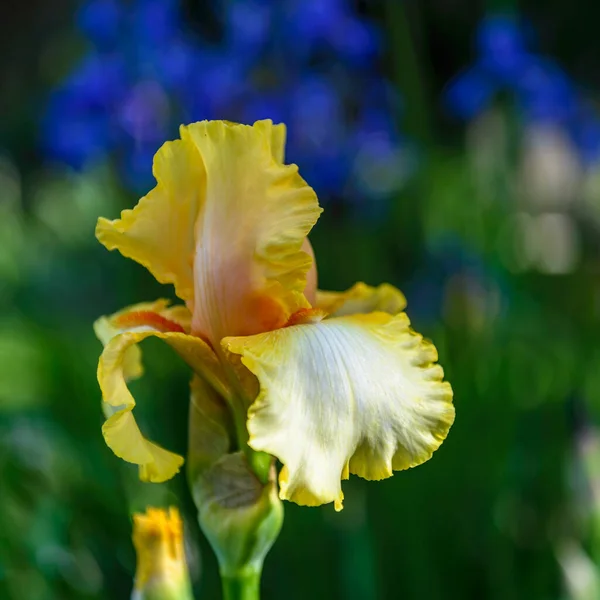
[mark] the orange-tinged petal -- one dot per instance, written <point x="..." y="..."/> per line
<point x="144" y="314"/>
<point x="250" y="272"/>
<point x="121" y="361"/>
<point x="225" y="224"/>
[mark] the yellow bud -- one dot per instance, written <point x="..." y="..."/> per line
<point x="161" y="572"/>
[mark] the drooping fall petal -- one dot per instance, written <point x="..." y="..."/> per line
<point x="120" y="362"/>
<point x="359" y="394"/>
<point x="108" y="327"/>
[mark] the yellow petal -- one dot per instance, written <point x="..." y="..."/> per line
<point x="108" y="327"/>
<point x="249" y="269"/>
<point x="277" y="134"/>
<point x="161" y="570"/>
<point x="225" y="224"/>
<point x="159" y="232"/>
<point x="310" y="291"/>
<point x="359" y="393"/>
<point x="120" y="361"/>
<point x="362" y="298"/>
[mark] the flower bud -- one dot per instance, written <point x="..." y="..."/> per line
<point x="240" y="515"/>
<point x="161" y="572"/>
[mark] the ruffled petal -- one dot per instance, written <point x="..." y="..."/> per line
<point x="249" y="269"/>
<point x="310" y="291"/>
<point x="277" y="133"/>
<point x="359" y="394"/>
<point x="361" y="299"/>
<point x="224" y="224"/>
<point x="159" y="232"/>
<point x="120" y="362"/>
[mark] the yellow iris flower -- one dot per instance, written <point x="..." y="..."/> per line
<point x="330" y="383"/>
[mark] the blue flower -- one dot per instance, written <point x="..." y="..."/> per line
<point x="470" y="92"/>
<point x="545" y="93"/>
<point x="96" y="83"/>
<point x="501" y="47"/>
<point x="585" y="132"/>
<point x="308" y="63"/>
<point x="539" y="87"/>
<point x="248" y="25"/>
<point x="101" y="21"/>
<point x="76" y="141"/>
<point x="155" y="22"/>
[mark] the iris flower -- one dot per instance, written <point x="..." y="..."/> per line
<point x="329" y="383"/>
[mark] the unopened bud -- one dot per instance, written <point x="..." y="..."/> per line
<point x="161" y="572"/>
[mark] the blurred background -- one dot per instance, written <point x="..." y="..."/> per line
<point x="455" y="147"/>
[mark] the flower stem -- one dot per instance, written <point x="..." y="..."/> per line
<point x="239" y="403"/>
<point x="243" y="585"/>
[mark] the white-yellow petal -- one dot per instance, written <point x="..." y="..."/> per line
<point x="359" y="394"/>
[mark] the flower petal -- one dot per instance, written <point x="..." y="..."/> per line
<point x="121" y="361"/>
<point x="107" y="328"/>
<point x="249" y="269"/>
<point x="159" y="232"/>
<point x="225" y="224"/>
<point x="277" y="134"/>
<point x="358" y="394"/>
<point x="362" y="298"/>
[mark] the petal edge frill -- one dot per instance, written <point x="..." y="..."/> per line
<point x="158" y="232"/>
<point x="249" y="269"/>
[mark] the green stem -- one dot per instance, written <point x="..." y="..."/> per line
<point x="241" y="585"/>
<point x="260" y="462"/>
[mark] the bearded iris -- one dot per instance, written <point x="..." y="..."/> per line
<point x="329" y="383"/>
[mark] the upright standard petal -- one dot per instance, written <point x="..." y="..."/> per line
<point x="249" y="269"/>
<point x="277" y="134"/>
<point x="359" y="394"/>
<point x="120" y="362"/>
<point x="159" y="232"/>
